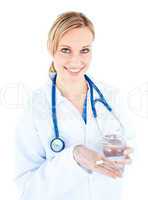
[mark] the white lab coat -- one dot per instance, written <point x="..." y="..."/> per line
<point x="43" y="174"/>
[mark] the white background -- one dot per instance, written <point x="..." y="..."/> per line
<point x="120" y="58"/>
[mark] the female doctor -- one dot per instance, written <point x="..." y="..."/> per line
<point x="58" y="154"/>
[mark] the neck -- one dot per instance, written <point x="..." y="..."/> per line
<point x="70" y="88"/>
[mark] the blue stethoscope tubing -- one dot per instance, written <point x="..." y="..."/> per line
<point x="57" y="144"/>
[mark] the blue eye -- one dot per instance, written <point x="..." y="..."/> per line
<point x="83" y="51"/>
<point x="65" y="50"/>
<point x="86" y="50"/>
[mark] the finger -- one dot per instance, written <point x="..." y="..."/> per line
<point x="112" y="168"/>
<point x="125" y="161"/>
<point x="128" y="151"/>
<point x="111" y="164"/>
<point x="116" y="171"/>
<point x="103" y="162"/>
<point x="106" y="171"/>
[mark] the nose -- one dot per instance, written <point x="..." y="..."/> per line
<point x="75" y="61"/>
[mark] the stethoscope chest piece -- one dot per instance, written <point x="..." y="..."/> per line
<point x="57" y="145"/>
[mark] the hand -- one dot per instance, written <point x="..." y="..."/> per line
<point x="127" y="157"/>
<point x="87" y="158"/>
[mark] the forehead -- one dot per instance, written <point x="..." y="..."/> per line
<point x="77" y="37"/>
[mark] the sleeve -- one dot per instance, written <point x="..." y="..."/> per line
<point x="36" y="176"/>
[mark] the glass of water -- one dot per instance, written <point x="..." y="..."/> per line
<point x="113" y="146"/>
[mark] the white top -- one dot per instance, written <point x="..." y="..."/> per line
<point x="43" y="174"/>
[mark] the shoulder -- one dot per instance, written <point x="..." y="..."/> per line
<point x="41" y="95"/>
<point x="37" y="103"/>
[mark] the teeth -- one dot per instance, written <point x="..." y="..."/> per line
<point x="74" y="70"/>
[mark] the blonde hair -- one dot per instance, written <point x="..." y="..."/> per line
<point x="65" y="22"/>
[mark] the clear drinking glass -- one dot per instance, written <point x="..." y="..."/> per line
<point x="113" y="146"/>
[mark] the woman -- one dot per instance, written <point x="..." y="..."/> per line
<point x="58" y="142"/>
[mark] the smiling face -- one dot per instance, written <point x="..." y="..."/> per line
<point x="73" y="55"/>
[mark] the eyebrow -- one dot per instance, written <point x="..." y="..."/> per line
<point x="62" y="45"/>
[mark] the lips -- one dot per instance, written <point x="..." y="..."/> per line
<point x="73" y="71"/>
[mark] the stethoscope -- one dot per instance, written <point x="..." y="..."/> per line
<point x="57" y="144"/>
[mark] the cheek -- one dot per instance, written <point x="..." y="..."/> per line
<point x="59" y="60"/>
<point x="87" y="58"/>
